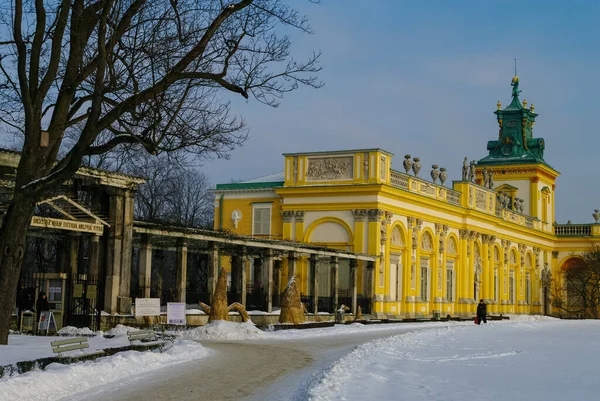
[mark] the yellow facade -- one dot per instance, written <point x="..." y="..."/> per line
<point x="439" y="249"/>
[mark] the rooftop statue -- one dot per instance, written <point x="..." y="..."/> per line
<point x="515" y="85"/>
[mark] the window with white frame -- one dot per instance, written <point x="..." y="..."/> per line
<point x="425" y="279"/>
<point x="450" y="280"/>
<point x="261" y="219"/>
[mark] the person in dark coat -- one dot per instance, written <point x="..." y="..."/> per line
<point x="41" y="305"/>
<point x="481" y="312"/>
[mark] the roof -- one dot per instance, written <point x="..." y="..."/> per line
<point x="277" y="177"/>
<point x="13" y="157"/>
<point x="332" y="152"/>
<point x="264" y="182"/>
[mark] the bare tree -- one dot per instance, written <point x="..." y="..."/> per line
<point x="578" y="293"/>
<point x="175" y="193"/>
<point x="146" y="72"/>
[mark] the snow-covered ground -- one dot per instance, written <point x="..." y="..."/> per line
<point x="521" y="359"/>
<point x="526" y="359"/>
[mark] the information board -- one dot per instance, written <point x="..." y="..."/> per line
<point x="47" y="322"/>
<point x="147" y="306"/>
<point x="176" y="313"/>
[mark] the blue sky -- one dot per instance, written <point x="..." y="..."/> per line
<point x="424" y="77"/>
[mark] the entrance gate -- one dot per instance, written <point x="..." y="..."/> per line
<point x="85" y="297"/>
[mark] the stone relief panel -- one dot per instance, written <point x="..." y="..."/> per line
<point x="513" y="257"/>
<point x="383" y="168"/>
<point x="427" y="242"/>
<point x="397" y="239"/>
<point x="452" y="248"/>
<point x="480" y="199"/>
<point x="330" y="168"/>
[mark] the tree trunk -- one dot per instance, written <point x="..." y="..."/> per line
<point x="13" y="239"/>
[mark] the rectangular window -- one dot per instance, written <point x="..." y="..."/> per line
<point x="527" y="290"/>
<point x="424" y="280"/>
<point x="496" y="285"/>
<point x="261" y="220"/>
<point x="450" y="280"/>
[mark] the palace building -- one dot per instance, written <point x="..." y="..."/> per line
<point x="436" y="248"/>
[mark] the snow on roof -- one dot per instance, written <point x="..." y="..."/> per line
<point x="277" y="177"/>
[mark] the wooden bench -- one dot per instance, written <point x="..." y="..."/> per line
<point x="72" y="344"/>
<point x="142" y="335"/>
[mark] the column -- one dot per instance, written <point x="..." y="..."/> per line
<point x="238" y="275"/>
<point x="145" y="276"/>
<point x="314" y="282"/>
<point x="370" y="283"/>
<point x="126" y="253"/>
<point x="213" y="269"/>
<point x="462" y="271"/>
<point x="277" y="282"/>
<point x="113" y="250"/>
<point x="94" y="255"/>
<point x="354" y="284"/>
<point x="181" y="266"/>
<point x="334" y="281"/>
<point x="292" y="265"/>
<point x="485" y="275"/>
<point x="267" y="263"/>
<point x="73" y="252"/>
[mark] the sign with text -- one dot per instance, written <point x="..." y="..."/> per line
<point x="147" y="306"/>
<point x="176" y="313"/>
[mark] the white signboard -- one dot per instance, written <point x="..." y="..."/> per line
<point x="147" y="307"/>
<point x="47" y="322"/>
<point x="175" y="313"/>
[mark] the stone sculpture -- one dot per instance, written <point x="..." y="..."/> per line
<point x="490" y="179"/>
<point x="484" y="173"/>
<point x="472" y="171"/>
<point x="219" y="309"/>
<point x="435" y="173"/>
<point x="359" y="315"/>
<point x="465" y="169"/>
<point x="407" y="163"/>
<point x="443" y="175"/>
<point x="596" y="215"/>
<point x="291" y="307"/>
<point x="416" y="166"/>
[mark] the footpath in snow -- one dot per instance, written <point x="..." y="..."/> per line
<point x="59" y="380"/>
<point x="527" y="359"/>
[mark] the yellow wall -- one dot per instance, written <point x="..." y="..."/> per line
<point x="475" y="232"/>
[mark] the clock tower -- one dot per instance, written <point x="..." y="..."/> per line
<point x="516" y="161"/>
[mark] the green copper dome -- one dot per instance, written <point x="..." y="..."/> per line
<point x="515" y="143"/>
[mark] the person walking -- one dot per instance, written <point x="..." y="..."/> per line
<point x="481" y="312"/>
